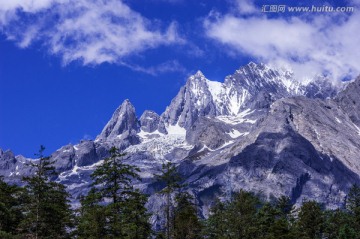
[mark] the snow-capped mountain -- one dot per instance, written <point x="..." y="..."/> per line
<point x="252" y="86"/>
<point x="259" y="130"/>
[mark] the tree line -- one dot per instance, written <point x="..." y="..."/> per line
<point x="113" y="209"/>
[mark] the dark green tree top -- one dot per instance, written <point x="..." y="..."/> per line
<point x="186" y="221"/>
<point x="353" y="199"/>
<point x="47" y="211"/>
<point x="311" y="220"/>
<point x="169" y="177"/>
<point x="114" y="177"/>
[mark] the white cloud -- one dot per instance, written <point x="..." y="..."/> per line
<point x="165" y="67"/>
<point x="323" y="43"/>
<point x="246" y="6"/>
<point x="27" y="6"/>
<point x="91" y="31"/>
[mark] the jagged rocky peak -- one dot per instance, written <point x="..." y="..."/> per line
<point x="256" y="77"/>
<point x="198" y="74"/>
<point x="7" y="155"/>
<point x="193" y="101"/>
<point x="321" y="87"/>
<point x="280" y="82"/>
<point x="253" y="86"/>
<point x="150" y="121"/>
<point x="8" y="164"/>
<point x="202" y="97"/>
<point x="122" y="124"/>
<point x="197" y="84"/>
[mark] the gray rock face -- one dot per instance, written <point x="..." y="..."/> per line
<point x="64" y="158"/>
<point x="253" y="85"/>
<point x="150" y="122"/>
<point x="7" y="161"/>
<point x="7" y="156"/>
<point x="262" y="100"/>
<point x="249" y="80"/>
<point x="349" y="101"/>
<point x="122" y="125"/>
<point x="300" y="137"/>
<point x="193" y="101"/>
<point x="302" y="148"/>
<point x="320" y="88"/>
<point x="14" y="168"/>
<point x="86" y="154"/>
<point x="327" y="127"/>
<point x="209" y="133"/>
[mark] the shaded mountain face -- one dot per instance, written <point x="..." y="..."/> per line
<point x="151" y="121"/>
<point x="349" y="101"/>
<point x="260" y="130"/>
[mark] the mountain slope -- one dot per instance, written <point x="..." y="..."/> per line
<point x="259" y="130"/>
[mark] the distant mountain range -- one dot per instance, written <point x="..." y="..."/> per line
<point x="260" y="130"/>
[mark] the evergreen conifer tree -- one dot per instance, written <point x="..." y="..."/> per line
<point x="92" y="217"/>
<point x="171" y="180"/>
<point x="234" y="219"/>
<point x="113" y="208"/>
<point x="11" y="199"/>
<point x="186" y="221"/>
<point x="47" y="211"/>
<point x="310" y="221"/>
<point x="353" y="205"/>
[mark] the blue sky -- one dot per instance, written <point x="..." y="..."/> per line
<point x="66" y="65"/>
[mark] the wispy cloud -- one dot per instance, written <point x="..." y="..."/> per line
<point x="246" y="6"/>
<point x="320" y="43"/>
<point x="90" y="31"/>
<point x="165" y="67"/>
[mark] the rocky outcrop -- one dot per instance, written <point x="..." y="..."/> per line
<point x="193" y="101"/>
<point x="349" y="101"/>
<point x="150" y="122"/>
<point x="123" y="125"/>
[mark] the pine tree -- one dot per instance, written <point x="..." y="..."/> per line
<point x="338" y="224"/>
<point x="47" y="212"/>
<point x="267" y="217"/>
<point x="11" y="199"/>
<point x="353" y="205"/>
<point x="234" y="219"/>
<point x="171" y="180"/>
<point x="347" y="232"/>
<point x="274" y="220"/>
<point x="242" y="214"/>
<point x="216" y="226"/>
<point x="136" y="224"/>
<point x="92" y="218"/>
<point x="113" y="208"/>
<point x="353" y="199"/>
<point x="282" y="227"/>
<point x="284" y="205"/>
<point x="186" y="221"/>
<point x="310" y="220"/>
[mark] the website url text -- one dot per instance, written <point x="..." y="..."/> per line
<point x="285" y="8"/>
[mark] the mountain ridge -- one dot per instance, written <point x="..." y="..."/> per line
<point x="260" y="129"/>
